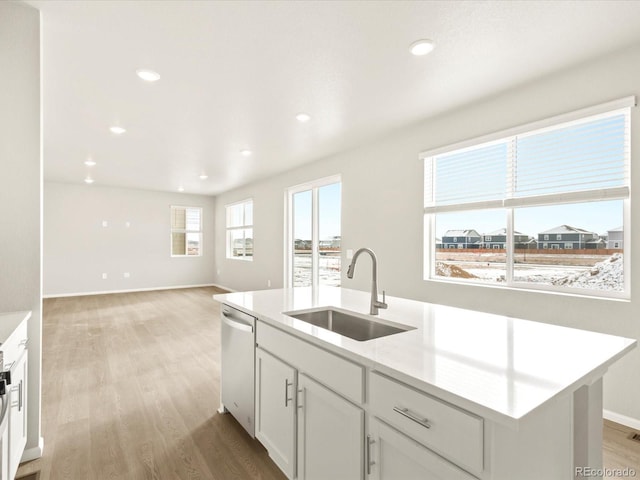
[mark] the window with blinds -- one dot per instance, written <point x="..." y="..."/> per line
<point x="186" y="231"/>
<point x="240" y="230"/>
<point x="542" y="206"/>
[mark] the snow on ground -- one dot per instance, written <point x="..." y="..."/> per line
<point x="605" y="275"/>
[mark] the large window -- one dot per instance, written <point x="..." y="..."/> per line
<point x="240" y="230"/>
<point x="540" y="206"/>
<point x="313" y="250"/>
<point x="186" y="231"/>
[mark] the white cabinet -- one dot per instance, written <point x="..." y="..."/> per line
<point x="15" y="355"/>
<point x="394" y="456"/>
<point x="330" y="434"/>
<point x="275" y="410"/>
<point x="451" y="432"/>
<point x="17" y="412"/>
<point x="303" y="417"/>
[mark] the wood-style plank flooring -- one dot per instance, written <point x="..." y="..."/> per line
<point x="130" y="390"/>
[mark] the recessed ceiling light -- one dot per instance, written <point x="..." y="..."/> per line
<point x="181" y="188"/>
<point x="303" y="117"/>
<point x="89" y="162"/>
<point x="422" y="47"/>
<point x="88" y="180"/>
<point x="203" y="176"/>
<point x="148" y="75"/>
<point x="246" y="152"/>
<point x="117" y="130"/>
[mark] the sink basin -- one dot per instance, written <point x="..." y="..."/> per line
<point x="350" y="324"/>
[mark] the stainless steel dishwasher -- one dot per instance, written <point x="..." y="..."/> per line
<point x="238" y="366"/>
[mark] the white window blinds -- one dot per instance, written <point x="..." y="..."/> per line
<point x="584" y="159"/>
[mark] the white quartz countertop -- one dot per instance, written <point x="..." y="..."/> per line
<point x="500" y="367"/>
<point x="9" y="322"/>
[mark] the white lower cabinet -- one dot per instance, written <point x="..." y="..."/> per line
<point x="310" y="432"/>
<point x="392" y="455"/>
<point x="276" y="410"/>
<point x="330" y="434"/>
<point x="17" y="412"/>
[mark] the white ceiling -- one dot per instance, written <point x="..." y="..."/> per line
<point x="234" y="74"/>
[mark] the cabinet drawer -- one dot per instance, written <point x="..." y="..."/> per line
<point x="14" y="345"/>
<point x="337" y="373"/>
<point x="448" y="430"/>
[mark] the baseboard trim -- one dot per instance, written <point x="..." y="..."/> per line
<point x="622" y="419"/>
<point x="33" y="453"/>
<point x="230" y="290"/>
<point x="132" y="290"/>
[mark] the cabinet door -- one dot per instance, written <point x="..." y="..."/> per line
<point x="394" y="456"/>
<point x="18" y="412"/>
<point x="275" y="410"/>
<point x="330" y="434"/>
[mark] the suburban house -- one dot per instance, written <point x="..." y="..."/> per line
<point x="498" y="239"/>
<point x="461" y="239"/>
<point x="615" y="238"/>
<point x="565" y="237"/>
<point x="596" y="244"/>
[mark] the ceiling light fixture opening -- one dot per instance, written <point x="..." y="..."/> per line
<point x="303" y="117"/>
<point x="422" y="47"/>
<point x="246" y="152"/>
<point x="203" y="176"/>
<point x="181" y="188"/>
<point x="88" y="180"/>
<point x="117" y="130"/>
<point x="89" y="162"/>
<point x="148" y="75"/>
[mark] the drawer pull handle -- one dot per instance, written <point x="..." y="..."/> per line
<point x="286" y="392"/>
<point x="405" y="412"/>
<point x="370" y="463"/>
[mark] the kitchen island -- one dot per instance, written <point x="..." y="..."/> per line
<point x="474" y="395"/>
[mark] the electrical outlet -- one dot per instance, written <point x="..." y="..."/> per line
<point x="268" y="283"/>
<point x="105" y="223"/>
<point x="104" y="276"/>
<point x="127" y="224"/>
<point x="349" y="253"/>
<point x="126" y="275"/>
<point x="218" y="271"/>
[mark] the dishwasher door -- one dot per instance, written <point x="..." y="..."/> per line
<point x="238" y="366"/>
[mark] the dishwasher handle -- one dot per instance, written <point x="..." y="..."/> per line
<point x="243" y="327"/>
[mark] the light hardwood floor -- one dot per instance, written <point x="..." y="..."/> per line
<point x="130" y="390"/>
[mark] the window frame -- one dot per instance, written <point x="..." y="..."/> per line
<point x="289" y="193"/>
<point x="243" y="226"/>
<point x="510" y="206"/>
<point x="186" y="231"/>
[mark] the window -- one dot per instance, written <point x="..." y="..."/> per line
<point x="186" y="231"/>
<point x="240" y="230"/>
<point x="313" y="250"/>
<point x="565" y="178"/>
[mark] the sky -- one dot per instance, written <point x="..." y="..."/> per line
<point x="329" y="205"/>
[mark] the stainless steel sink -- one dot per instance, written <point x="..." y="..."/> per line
<point x="349" y="324"/>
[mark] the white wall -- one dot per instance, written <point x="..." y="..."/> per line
<point x="78" y="249"/>
<point x="20" y="164"/>
<point x="382" y="194"/>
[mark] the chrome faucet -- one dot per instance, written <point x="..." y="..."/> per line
<point x="375" y="303"/>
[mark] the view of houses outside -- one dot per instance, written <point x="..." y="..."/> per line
<point x="328" y="235"/>
<point x="576" y="246"/>
<point x="329" y="262"/>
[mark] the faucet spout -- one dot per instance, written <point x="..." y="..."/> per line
<point x="375" y="303"/>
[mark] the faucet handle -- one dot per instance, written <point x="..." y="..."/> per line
<point x="383" y="304"/>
